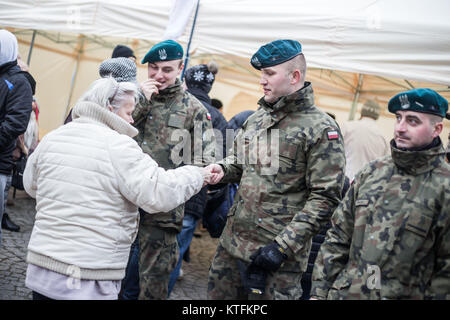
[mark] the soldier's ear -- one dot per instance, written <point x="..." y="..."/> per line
<point x="296" y="76"/>
<point x="438" y="127"/>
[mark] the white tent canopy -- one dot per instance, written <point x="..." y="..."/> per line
<point x="355" y="50"/>
<point x="394" y="38"/>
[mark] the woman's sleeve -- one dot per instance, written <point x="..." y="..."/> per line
<point x="147" y="185"/>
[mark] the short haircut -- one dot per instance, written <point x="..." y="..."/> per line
<point x="298" y="62"/>
<point x="434" y="119"/>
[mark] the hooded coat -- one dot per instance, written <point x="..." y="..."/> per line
<point x="15" y="100"/>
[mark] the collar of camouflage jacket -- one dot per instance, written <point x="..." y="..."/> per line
<point x="418" y="162"/>
<point x="169" y="92"/>
<point x="299" y="100"/>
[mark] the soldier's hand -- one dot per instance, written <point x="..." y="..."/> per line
<point x="216" y="173"/>
<point x="269" y="257"/>
<point x="255" y="279"/>
<point x="149" y="87"/>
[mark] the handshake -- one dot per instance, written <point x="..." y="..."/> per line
<point x="212" y="174"/>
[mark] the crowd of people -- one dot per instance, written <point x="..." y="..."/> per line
<point x="305" y="208"/>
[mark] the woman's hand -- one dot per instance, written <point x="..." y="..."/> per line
<point x="215" y="173"/>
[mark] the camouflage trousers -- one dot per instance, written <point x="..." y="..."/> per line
<point x="158" y="257"/>
<point x="224" y="281"/>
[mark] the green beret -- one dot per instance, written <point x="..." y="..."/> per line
<point x="275" y="52"/>
<point x="164" y="51"/>
<point x="419" y="100"/>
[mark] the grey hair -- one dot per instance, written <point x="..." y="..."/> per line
<point x="108" y="92"/>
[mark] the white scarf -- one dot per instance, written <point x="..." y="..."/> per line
<point x="8" y="47"/>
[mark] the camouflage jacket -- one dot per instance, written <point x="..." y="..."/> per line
<point x="289" y="159"/>
<point x="174" y="129"/>
<point x="390" y="237"/>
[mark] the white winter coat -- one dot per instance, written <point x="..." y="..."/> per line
<point x="89" y="177"/>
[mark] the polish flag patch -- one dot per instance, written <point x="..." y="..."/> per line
<point x="333" y="135"/>
<point x="208" y="115"/>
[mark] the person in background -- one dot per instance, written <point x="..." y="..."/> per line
<point x="122" y="69"/>
<point x="16" y="96"/>
<point x="317" y="241"/>
<point x="31" y="135"/>
<point x="25" y="143"/>
<point x="220" y="200"/>
<point x="363" y="139"/>
<point x="90" y="177"/>
<point x="123" y="51"/>
<point x="390" y="235"/>
<point x="216" y="103"/>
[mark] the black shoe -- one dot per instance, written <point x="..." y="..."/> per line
<point x="8" y="224"/>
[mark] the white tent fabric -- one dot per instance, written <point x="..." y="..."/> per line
<point x="394" y="38"/>
<point x="355" y="50"/>
<point x="179" y="18"/>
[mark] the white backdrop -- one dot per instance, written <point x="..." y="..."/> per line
<point x="394" y="38"/>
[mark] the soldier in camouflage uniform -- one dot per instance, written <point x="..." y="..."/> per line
<point x="174" y="129"/>
<point x="390" y="237"/>
<point x="290" y="182"/>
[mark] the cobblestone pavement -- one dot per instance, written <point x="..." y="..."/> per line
<point x="13" y="249"/>
<point x="13" y="253"/>
<point x="194" y="283"/>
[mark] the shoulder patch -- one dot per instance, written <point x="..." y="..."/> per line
<point x="208" y="115"/>
<point x="9" y="84"/>
<point x="333" y="135"/>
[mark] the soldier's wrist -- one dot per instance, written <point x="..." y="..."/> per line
<point x="284" y="248"/>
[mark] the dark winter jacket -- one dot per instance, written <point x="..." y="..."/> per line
<point x="196" y="205"/>
<point x="15" y="109"/>
<point x="315" y="247"/>
<point x="218" y="120"/>
<point x="238" y="120"/>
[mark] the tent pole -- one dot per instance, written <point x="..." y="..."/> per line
<point x="74" y="75"/>
<point x="186" y="60"/>
<point x="410" y="84"/>
<point x="31" y="47"/>
<point x="355" y="99"/>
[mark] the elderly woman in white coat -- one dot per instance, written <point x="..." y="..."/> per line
<point x="89" y="177"/>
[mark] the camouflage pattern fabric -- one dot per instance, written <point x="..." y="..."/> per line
<point x="158" y="257"/>
<point x="224" y="282"/>
<point x="291" y="203"/>
<point x="161" y="122"/>
<point x="172" y="130"/>
<point x="390" y="237"/>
